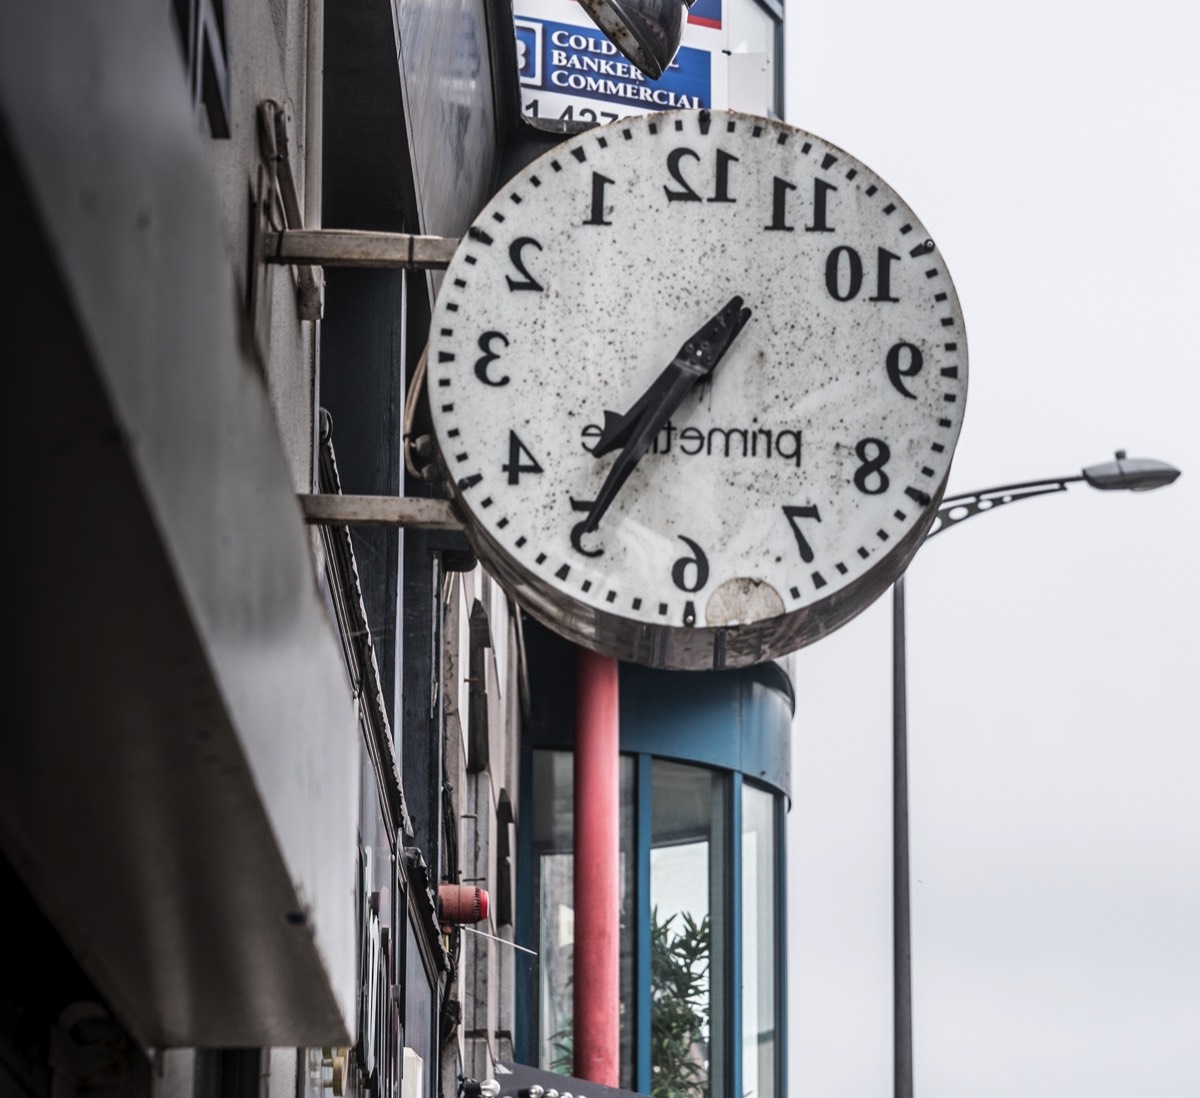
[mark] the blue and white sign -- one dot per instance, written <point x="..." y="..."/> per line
<point x="705" y="13"/>
<point x="529" y="52"/>
<point x="569" y="70"/>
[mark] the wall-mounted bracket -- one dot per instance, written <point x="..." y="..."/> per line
<point x="359" y="248"/>
<point x="276" y="146"/>
<point x="329" y="509"/>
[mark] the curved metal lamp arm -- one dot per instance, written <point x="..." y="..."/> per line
<point x="1123" y="474"/>
<point x="956" y="509"/>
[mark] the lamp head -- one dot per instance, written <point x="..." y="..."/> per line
<point x="647" y="32"/>
<point x="1130" y="474"/>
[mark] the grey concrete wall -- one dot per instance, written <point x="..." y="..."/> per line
<point x="147" y="222"/>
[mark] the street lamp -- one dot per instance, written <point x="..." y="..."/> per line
<point x="647" y="32"/>
<point x="1123" y="474"/>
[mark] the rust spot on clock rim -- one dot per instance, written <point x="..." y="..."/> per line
<point x="742" y="601"/>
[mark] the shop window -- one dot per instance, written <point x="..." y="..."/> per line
<point x="688" y="923"/>
<point x="760" y="941"/>
<point x="683" y="967"/>
<point x="554" y="884"/>
<point x="704" y="771"/>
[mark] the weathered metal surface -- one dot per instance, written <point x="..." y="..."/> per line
<point x="358" y="248"/>
<point x="336" y="510"/>
<point x="276" y="147"/>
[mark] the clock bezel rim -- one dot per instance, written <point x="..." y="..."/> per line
<point x="699" y="647"/>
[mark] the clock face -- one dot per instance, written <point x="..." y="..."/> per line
<point x="650" y="470"/>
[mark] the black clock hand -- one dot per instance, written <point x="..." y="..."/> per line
<point x="636" y="429"/>
<point x="695" y="360"/>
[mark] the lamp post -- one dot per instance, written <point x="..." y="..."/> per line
<point x="1122" y="474"/>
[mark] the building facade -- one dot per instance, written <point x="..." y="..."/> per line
<point x="261" y="764"/>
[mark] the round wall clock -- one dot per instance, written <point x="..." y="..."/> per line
<point x="696" y="379"/>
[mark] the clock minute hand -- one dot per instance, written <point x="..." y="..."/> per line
<point x="695" y="360"/>
<point x="636" y="429"/>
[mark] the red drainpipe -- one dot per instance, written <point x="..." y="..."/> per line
<point x="597" y="992"/>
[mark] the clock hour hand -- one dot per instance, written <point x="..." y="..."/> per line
<point x="635" y="431"/>
<point x="695" y="360"/>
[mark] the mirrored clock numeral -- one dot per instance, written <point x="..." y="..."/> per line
<point x="527" y="281"/>
<point x="779" y="207"/>
<point x="582" y="506"/>
<point x="515" y="466"/>
<point x="489" y="356"/>
<point x="686" y="192"/>
<point x="869" y="477"/>
<point x="690" y="573"/>
<point x="820" y="222"/>
<point x="794" y="514"/>
<point x="897" y="354"/>
<point x="833" y="270"/>
<point x="853" y="268"/>
<point x="721" y="191"/>
<point x="599" y="182"/>
<point x="883" y="276"/>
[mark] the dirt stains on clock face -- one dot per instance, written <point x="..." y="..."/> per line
<point x="771" y="501"/>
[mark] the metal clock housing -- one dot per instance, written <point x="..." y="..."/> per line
<point x="696" y="380"/>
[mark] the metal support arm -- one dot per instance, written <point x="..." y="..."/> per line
<point x="330" y="509"/>
<point x="357" y="248"/>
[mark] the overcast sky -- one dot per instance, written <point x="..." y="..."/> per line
<point x="1050" y="148"/>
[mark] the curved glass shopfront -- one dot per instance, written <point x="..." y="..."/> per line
<point x="704" y="778"/>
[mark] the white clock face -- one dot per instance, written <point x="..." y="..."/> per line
<point x="769" y="498"/>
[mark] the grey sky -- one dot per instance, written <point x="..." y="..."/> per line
<point x="1054" y="696"/>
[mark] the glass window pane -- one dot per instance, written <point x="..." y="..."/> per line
<point x="554" y="884"/>
<point x="759" y="947"/>
<point x="752" y="28"/>
<point x="688" y="928"/>
<point x="753" y="33"/>
<point x="419" y="1052"/>
<point x="555" y="913"/>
